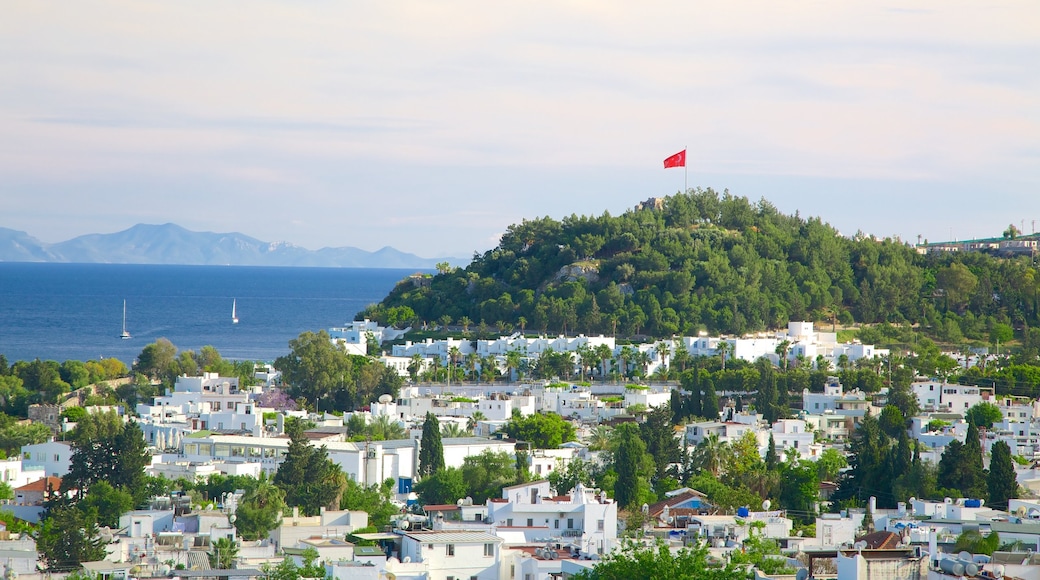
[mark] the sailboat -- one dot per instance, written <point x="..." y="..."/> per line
<point x="125" y="335"/>
<point x="234" y="317"/>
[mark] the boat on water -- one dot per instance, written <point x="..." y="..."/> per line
<point x="234" y="310"/>
<point x="125" y="335"/>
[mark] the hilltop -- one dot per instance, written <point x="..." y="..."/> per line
<point x="719" y="263"/>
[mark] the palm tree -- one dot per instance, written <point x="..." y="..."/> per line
<point x="604" y="354"/>
<point x="453" y="429"/>
<point x="415" y="366"/>
<point x="489" y="368"/>
<point x="626" y="354"/>
<point x="454" y="354"/>
<point x="389" y="428"/>
<point x="709" y="454"/>
<point x="781" y="351"/>
<point x="724" y="349"/>
<point x="600" y="438"/>
<point x="663" y="350"/>
<point x="475" y="418"/>
<point x="522" y="323"/>
<point x="472" y="359"/>
<point x="513" y="360"/>
<point x="223" y="553"/>
<point x="464" y="322"/>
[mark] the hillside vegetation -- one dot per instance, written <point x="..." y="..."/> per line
<point x="720" y="263"/>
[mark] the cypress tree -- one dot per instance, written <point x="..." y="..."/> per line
<point x="904" y="456"/>
<point x="975" y="475"/>
<point x="431" y="450"/>
<point x="676" y="406"/>
<point x="710" y="402"/>
<point x="772" y="459"/>
<point x="628" y="462"/>
<point x="1002" y="482"/>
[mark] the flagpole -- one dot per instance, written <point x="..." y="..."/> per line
<point x="685" y="185"/>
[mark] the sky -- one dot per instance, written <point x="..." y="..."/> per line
<point x="433" y="126"/>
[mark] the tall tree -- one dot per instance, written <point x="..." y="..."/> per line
<point x="309" y="478"/>
<point x="68" y="537"/>
<point x="315" y="369"/>
<point x="118" y="458"/>
<point x="260" y="510"/>
<point x="710" y="401"/>
<point x="1001" y="481"/>
<point x="630" y="461"/>
<point x="431" y="450"/>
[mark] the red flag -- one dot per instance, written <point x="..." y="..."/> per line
<point x="677" y="160"/>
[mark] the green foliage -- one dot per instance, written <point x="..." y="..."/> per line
<point x="577" y="470"/>
<point x="68" y="537"/>
<point x="322" y="376"/>
<point x="487" y="473"/>
<point x="763" y="554"/>
<point x="374" y="499"/>
<point x="105" y="449"/>
<point x="222" y="554"/>
<point x="633" y="465"/>
<point x="541" y="430"/>
<point x="1001" y="480"/>
<point x="976" y="543"/>
<point x="431" y="450"/>
<point x="658" y="562"/>
<point x="14" y="436"/>
<point x="287" y="569"/>
<point x="444" y="486"/>
<point x="309" y="478"/>
<point x="260" y="510"/>
<point x="107" y="502"/>
<point x="983" y="415"/>
<point x="714" y="261"/>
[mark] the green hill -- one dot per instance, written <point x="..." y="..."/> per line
<point x="720" y="263"/>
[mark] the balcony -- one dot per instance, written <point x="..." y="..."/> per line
<point x="571" y="533"/>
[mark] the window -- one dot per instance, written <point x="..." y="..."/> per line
<point x="599" y="525"/>
<point x="556" y="524"/>
<point x="509" y="523"/>
<point x="449" y="549"/>
<point x="489" y="550"/>
<point x="530" y="522"/>
<point x="57" y="457"/>
<point x="570" y="523"/>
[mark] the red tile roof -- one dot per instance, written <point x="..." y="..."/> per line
<point x="42" y="484"/>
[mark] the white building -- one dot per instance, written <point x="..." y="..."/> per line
<point x="53" y="457"/>
<point x="354" y="336"/>
<point x="583" y="520"/>
<point x="454" y="555"/>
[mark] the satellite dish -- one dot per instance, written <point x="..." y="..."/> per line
<point x="766" y="505"/>
<point x="964" y="555"/>
<point x="385" y="399"/>
<point x="403" y="524"/>
<point x="860" y="545"/>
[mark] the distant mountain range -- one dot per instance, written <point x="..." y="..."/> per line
<point x="172" y="244"/>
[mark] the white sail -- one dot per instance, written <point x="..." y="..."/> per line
<point x="234" y="310"/>
<point x="125" y="335"/>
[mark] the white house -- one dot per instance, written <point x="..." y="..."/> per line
<point x="454" y="555"/>
<point x="54" y="457"/>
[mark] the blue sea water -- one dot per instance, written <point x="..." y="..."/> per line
<point x="75" y="311"/>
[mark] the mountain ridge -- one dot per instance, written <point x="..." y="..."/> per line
<point x="171" y="244"/>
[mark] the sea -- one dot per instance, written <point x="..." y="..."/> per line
<point x="75" y="311"/>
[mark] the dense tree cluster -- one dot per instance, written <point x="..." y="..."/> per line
<point x="719" y="263"/>
<point x="322" y="376"/>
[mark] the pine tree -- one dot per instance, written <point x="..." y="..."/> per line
<point x="766" y="398"/>
<point x="431" y="450"/>
<point x="1002" y="481"/>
